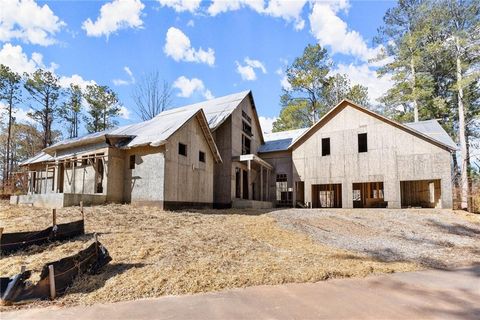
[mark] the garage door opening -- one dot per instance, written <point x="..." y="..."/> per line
<point x="368" y="195"/>
<point x="326" y="196"/>
<point x="421" y="193"/>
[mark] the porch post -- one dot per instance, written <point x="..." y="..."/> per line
<point x="250" y="195"/>
<point x="46" y="178"/>
<point x="261" y="183"/>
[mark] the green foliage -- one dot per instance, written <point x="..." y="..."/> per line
<point x="71" y="110"/>
<point x="45" y="91"/>
<point x="103" y="108"/>
<point x="313" y="92"/>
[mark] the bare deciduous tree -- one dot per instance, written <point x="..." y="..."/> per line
<point x="152" y="96"/>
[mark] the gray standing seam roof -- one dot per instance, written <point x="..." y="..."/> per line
<point x="280" y="141"/>
<point x="434" y="130"/>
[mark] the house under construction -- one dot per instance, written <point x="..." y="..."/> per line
<point x="214" y="154"/>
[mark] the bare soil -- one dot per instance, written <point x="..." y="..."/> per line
<point x="432" y="238"/>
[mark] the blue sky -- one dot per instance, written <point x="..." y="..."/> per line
<point x="204" y="49"/>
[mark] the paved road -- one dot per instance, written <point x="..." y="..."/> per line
<point x="432" y="294"/>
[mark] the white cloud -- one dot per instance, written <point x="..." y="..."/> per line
<point x="123" y="82"/>
<point x="267" y="123"/>
<point x="178" y="46"/>
<point x="332" y="31"/>
<point x="188" y="87"/>
<point x="191" y="23"/>
<point x="364" y="75"/>
<point x="247" y="71"/>
<point x="18" y="61"/>
<point x="75" y="79"/>
<point x="284" y="83"/>
<point x="14" y="57"/>
<point x="29" y="22"/>
<point x="290" y="11"/>
<point x="124" y="113"/>
<point x="181" y="5"/>
<point x="20" y="115"/>
<point x="115" y="15"/>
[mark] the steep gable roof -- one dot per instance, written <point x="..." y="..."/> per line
<point x="344" y="103"/>
<point x="219" y="109"/>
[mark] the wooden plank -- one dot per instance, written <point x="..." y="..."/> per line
<point x="51" y="280"/>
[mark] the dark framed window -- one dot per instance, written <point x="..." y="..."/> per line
<point x="182" y="149"/>
<point x="362" y="142"/>
<point x="246" y="144"/>
<point x="325" y="146"/>
<point x="247" y="129"/>
<point x="132" y="162"/>
<point x="201" y="156"/>
<point x="246" y="116"/>
<point x="84" y="161"/>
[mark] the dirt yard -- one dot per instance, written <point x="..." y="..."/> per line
<point x="160" y="253"/>
<point x="432" y="238"/>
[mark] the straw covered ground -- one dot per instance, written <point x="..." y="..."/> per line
<point x="159" y="253"/>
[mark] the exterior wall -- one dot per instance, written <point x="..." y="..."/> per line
<point x="393" y="155"/>
<point x="145" y="183"/>
<point x="282" y="163"/>
<point x="188" y="182"/>
<point x="115" y="175"/>
<point x="44" y="181"/>
<point x="222" y="171"/>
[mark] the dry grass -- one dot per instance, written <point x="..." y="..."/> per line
<point x="158" y="253"/>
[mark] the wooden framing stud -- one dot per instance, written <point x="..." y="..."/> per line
<point x="54" y="217"/>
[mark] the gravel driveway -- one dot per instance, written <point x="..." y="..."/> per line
<point x="432" y="238"/>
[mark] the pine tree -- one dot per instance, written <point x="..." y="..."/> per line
<point x="71" y="110"/>
<point x="45" y="91"/>
<point x="103" y="108"/>
<point x="10" y="93"/>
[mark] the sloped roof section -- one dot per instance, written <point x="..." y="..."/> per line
<point x="216" y="110"/>
<point x="280" y="141"/>
<point x="345" y="102"/>
<point x="154" y="132"/>
<point x="38" y="158"/>
<point x="434" y="130"/>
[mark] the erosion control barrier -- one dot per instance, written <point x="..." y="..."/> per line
<point x="55" y="276"/>
<point x="10" y="242"/>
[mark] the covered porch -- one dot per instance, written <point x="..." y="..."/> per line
<point x="62" y="181"/>
<point x="252" y="178"/>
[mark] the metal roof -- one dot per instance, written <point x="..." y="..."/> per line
<point x="280" y="141"/>
<point x="216" y="110"/>
<point x="434" y="130"/>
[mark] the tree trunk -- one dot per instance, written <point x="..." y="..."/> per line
<point x="7" y="166"/>
<point x="414" y="85"/>
<point x="462" y="136"/>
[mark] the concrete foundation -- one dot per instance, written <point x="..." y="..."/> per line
<point x="58" y="200"/>
<point x="251" y="204"/>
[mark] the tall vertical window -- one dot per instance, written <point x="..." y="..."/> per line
<point x="132" y="161"/>
<point x="201" y="156"/>
<point x="182" y="149"/>
<point x="246" y="145"/>
<point x="362" y="142"/>
<point x="325" y="146"/>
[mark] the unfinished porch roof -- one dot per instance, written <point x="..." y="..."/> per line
<point x="434" y="130"/>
